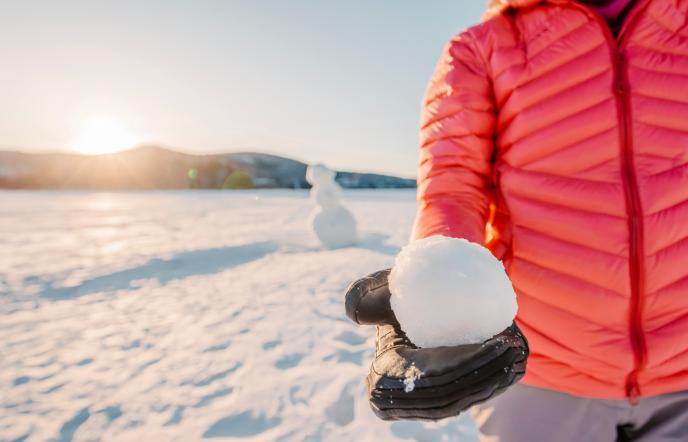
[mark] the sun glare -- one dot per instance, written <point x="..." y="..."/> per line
<point x="103" y="135"/>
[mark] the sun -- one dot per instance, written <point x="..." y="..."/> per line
<point x="103" y="135"/>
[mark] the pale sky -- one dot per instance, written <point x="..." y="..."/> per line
<point x="338" y="82"/>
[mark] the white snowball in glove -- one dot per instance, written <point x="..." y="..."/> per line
<point x="448" y="291"/>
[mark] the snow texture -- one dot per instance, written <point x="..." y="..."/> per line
<point x="448" y="291"/>
<point x="185" y="316"/>
<point x="411" y="376"/>
<point x="332" y="223"/>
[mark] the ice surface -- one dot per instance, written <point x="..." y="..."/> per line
<point x="168" y="316"/>
<point x="448" y="291"/>
<point x="332" y="223"/>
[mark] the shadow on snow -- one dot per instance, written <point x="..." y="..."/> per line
<point x="180" y="266"/>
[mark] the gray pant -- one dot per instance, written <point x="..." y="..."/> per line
<point x="529" y="414"/>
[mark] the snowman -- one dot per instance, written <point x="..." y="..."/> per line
<point x="332" y="223"/>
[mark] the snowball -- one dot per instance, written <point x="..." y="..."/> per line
<point x="327" y="195"/>
<point x="448" y="291"/>
<point x="319" y="174"/>
<point x="334" y="227"/>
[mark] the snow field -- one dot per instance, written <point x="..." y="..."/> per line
<point x="190" y="316"/>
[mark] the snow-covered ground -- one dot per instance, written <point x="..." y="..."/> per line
<point x="190" y="315"/>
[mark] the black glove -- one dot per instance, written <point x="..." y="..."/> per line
<point x="451" y="379"/>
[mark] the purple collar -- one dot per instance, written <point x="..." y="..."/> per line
<point x="609" y="9"/>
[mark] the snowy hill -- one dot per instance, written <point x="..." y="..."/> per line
<point x="152" y="167"/>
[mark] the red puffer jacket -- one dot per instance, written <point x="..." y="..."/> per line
<point x="565" y="151"/>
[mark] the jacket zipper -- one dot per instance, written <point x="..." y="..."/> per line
<point x="633" y="206"/>
<point x="636" y="263"/>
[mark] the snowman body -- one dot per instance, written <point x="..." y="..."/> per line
<point x="332" y="223"/>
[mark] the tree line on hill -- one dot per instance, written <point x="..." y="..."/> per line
<point x="153" y="167"/>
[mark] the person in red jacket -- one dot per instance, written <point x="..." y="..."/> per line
<point x="555" y="133"/>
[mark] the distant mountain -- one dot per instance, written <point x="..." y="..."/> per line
<point x="152" y="167"/>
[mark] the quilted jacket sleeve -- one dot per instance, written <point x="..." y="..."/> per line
<point x="456" y="146"/>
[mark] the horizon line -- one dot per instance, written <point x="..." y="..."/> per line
<point x="64" y="151"/>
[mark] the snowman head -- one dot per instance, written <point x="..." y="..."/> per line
<point x="319" y="174"/>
